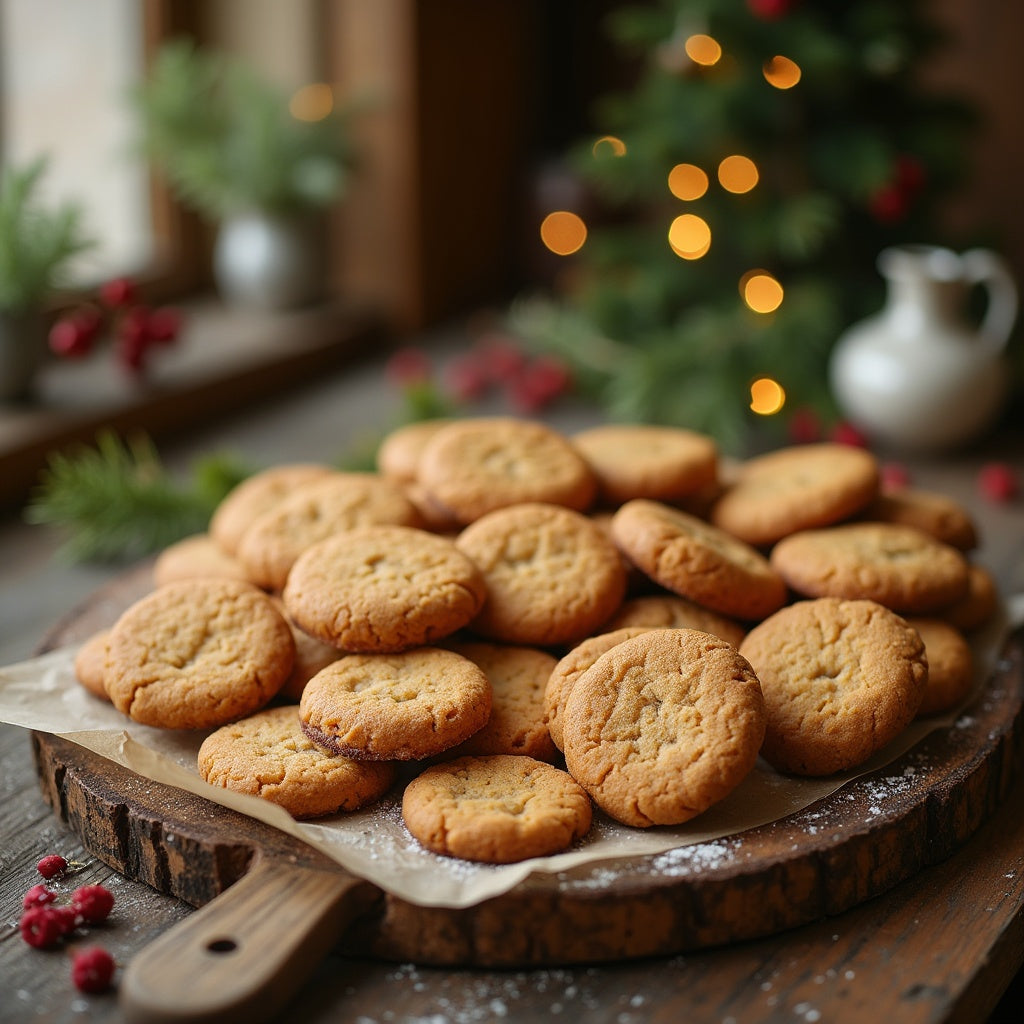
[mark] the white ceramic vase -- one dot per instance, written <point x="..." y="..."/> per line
<point x="918" y="376"/>
<point x="271" y="262"/>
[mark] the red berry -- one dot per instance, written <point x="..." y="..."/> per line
<point x="889" y="204"/>
<point x="769" y="10"/>
<point x="163" y="325"/>
<point x="92" y="903"/>
<point x="44" y="926"/>
<point x="74" y="335"/>
<point x="52" y="865"/>
<point x="895" y="476"/>
<point x="847" y="433"/>
<point x="466" y="377"/>
<point x="119" y="292"/>
<point x="540" y="381"/>
<point x="501" y="357"/>
<point x="408" y="367"/>
<point x="38" y="896"/>
<point x="92" y="969"/>
<point x="997" y="482"/>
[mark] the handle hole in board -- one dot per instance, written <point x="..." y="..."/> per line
<point x="222" y="946"/>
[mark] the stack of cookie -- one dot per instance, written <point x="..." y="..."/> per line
<point x="515" y="625"/>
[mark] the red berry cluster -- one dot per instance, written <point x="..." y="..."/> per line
<point x="891" y="203"/>
<point x="136" y="327"/>
<point x="769" y="10"/>
<point x="805" y="427"/>
<point x="45" y="923"/>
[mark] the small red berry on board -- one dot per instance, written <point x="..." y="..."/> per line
<point x="38" y="896"/>
<point x="121" y="291"/>
<point x="73" y="336"/>
<point x="53" y="865"/>
<point x="45" y="926"/>
<point x="92" y="970"/>
<point x="92" y="903"/>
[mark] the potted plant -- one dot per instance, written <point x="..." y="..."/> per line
<point x="232" y="150"/>
<point x="37" y="244"/>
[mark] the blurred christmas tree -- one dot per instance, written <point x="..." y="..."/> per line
<point x="746" y="184"/>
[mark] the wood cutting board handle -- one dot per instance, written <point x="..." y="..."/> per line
<point x="246" y="952"/>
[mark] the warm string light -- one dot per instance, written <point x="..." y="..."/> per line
<point x="760" y="291"/>
<point x="689" y="236"/>
<point x="703" y="50"/>
<point x="738" y="174"/>
<point x="687" y="181"/>
<point x="781" y="72"/>
<point x="767" y="396"/>
<point x="312" y="102"/>
<point x="563" y="232"/>
<point x="608" y="145"/>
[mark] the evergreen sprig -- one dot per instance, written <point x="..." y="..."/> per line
<point x="117" y="502"/>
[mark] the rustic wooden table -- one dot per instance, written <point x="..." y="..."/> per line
<point x="944" y="946"/>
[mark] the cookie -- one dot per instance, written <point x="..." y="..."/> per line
<point x="552" y="575"/>
<point x="398" y="455"/>
<point x="796" y="488"/>
<point x="518" y="676"/>
<point x="696" y="560"/>
<point x="383" y="588"/>
<point x="255" y="495"/>
<point x="936" y="514"/>
<point x="267" y="755"/>
<point x="840" y="680"/>
<point x="197" y="654"/>
<point x="89" y="663"/>
<point x="497" y="810"/>
<point x="641" y="461"/>
<point x="950" y="665"/>
<point x="315" y="511"/>
<point x="198" y="555"/>
<point x="979" y="603"/>
<point x="570" y="667"/>
<point x="472" y="467"/>
<point x="668" y="611"/>
<point x="898" y="566"/>
<point x="395" y="707"/>
<point x="663" y="726"/>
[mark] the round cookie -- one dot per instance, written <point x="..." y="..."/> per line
<point x="950" y="665"/>
<point x="197" y="653"/>
<point x="663" y="726"/>
<point x="567" y="670"/>
<point x="475" y="466"/>
<point x="395" y="707"/>
<point x="383" y="588"/>
<point x="641" y="461"/>
<point x="978" y="604"/>
<point x="552" y="575"/>
<point x="267" y="755"/>
<point x="695" y="560"/>
<point x="796" y="488"/>
<point x="89" y="663"/>
<point x="897" y="566"/>
<point x="398" y="455"/>
<point x="198" y="555"/>
<point x="498" y="810"/>
<point x="315" y="511"/>
<point x="840" y="680"/>
<point x="936" y="514"/>
<point x="255" y="495"/>
<point x="669" y="611"/>
<point x="518" y="676"/>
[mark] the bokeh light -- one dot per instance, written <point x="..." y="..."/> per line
<point x="760" y="291"/>
<point x="737" y="173"/>
<point x="767" y="396"/>
<point x="312" y="102"/>
<point x="608" y="145"/>
<point x="687" y="181"/>
<point x="781" y="72"/>
<point x="689" y="236"/>
<point x="702" y="49"/>
<point x="563" y="232"/>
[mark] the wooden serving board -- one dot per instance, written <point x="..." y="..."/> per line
<point x="855" y="844"/>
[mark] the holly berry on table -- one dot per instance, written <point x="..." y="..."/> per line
<point x="44" y="926"/>
<point x="847" y="433"/>
<point x="74" y="335"/>
<point x="52" y="865"/>
<point x="92" y="903"/>
<point x="998" y="482"/>
<point x="118" y="293"/>
<point x="163" y="325"/>
<point x="92" y="970"/>
<point x="38" y="896"/>
<point x="539" y="382"/>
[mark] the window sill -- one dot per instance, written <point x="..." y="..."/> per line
<point x="224" y="360"/>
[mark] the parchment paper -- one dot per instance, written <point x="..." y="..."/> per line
<point x="43" y="694"/>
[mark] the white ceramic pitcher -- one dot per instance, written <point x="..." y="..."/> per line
<point x="918" y="376"/>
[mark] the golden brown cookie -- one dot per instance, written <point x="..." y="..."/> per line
<point x="898" y="566"/>
<point x="669" y="611"/>
<point x="198" y="555"/>
<point x="641" y="461"/>
<point x="395" y="707"/>
<point x="197" y="653"/>
<point x="796" y="488"/>
<point x="499" y="809"/>
<point x="695" y="560"/>
<point x="255" y="495"/>
<point x="840" y="680"/>
<point x="89" y="663"/>
<point x="267" y="755"/>
<point x="979" y="603"/>
<point x="518" y="676"/>
<point x="663" y="726"/>
<point x="383" y="588"/>
<point x="936" y="514"/>
<point x="398" y="455"/>
<point x="950" y="665"/>
<point x="552" y="575"/>
<point x="474" y="466"/>
<point x="569" y="668"/>
<point x="312" y="513"/>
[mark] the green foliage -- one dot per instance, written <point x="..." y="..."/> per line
<point x="117" y="502"/>
<point x="227" y="141"/>
<point x="36" y="242"/>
